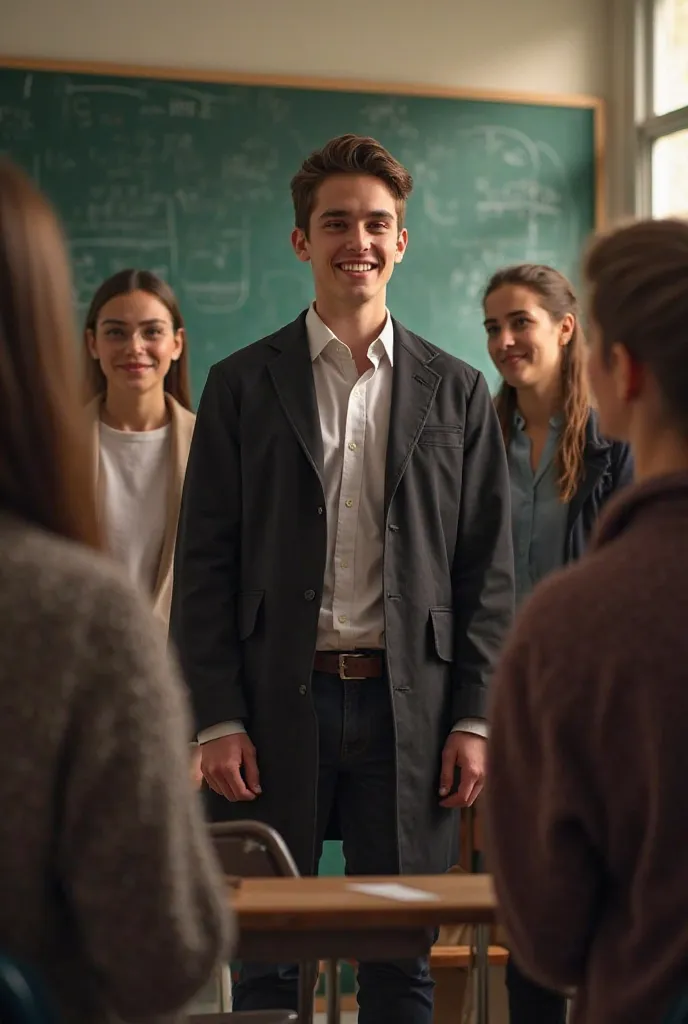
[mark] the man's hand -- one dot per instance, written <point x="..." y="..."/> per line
<point x="222" y="762"/>
<point x="469" y="752"/>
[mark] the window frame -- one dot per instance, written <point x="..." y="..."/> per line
<point x="649" y="126"/>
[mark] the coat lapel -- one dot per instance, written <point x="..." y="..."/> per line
<point x="414" y="388"/>
<point x="292" y="376"/>
<point x="595" y="460"/>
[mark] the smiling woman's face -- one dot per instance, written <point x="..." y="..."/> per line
<point x="523" y="340"/>
<point x="135" y="342"/>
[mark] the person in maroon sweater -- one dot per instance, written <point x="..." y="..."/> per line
<point x="587" y="801"/>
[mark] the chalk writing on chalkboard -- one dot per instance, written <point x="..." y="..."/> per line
<point x="192" y="180"/>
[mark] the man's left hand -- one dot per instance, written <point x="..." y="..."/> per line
<point x="469" y="752"/>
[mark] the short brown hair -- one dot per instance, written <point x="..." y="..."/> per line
<point x="557" y="297"/>
<point x="639" y="298"/>
<point x="348" y="154"/>
<point x="125" y="282"/>
<point x="46" y="471"/>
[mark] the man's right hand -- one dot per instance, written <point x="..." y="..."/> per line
<point x="222" y="761"/>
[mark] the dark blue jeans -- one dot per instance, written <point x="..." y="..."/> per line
<point x="357" y="776"/>
<point x="529" y="1003"/>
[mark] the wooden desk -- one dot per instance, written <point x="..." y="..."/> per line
<point x="324" y="918"/>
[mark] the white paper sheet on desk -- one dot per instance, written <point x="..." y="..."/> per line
<point x="393" y="891"/>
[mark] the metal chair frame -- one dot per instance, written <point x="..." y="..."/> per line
<point x="251" y="849"/>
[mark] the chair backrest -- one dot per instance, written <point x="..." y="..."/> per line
<point x="22" y="1000"/>
<point x="250" y="849"/>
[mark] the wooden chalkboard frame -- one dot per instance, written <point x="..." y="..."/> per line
<point x="594" y="103"/>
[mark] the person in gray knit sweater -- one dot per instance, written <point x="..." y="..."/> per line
<point x="110" y="887"/>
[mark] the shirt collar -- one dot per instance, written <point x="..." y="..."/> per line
<point x="556" y="421"/>
<point x="320" y="335"/>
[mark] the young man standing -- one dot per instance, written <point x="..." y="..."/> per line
<point x="343" y="577"/>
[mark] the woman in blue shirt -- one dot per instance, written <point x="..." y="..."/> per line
<point x="562" y="471"/>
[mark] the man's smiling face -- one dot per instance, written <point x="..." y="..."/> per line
<point x="353" y="240"/>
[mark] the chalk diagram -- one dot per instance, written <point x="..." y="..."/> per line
<point x="214" y="259"/>
<point x="197" y="234"/>
<point x="518" y="206"/>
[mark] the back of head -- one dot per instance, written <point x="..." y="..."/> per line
<point x="45" y="468"/>
<point x="639" y="299"/>
<point x="348" y="154"/>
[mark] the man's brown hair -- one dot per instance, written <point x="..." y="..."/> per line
<point x="348" y="154"/>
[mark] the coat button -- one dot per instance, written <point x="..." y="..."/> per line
<point x="309" y="595"/>
<point x="321" y="510"/>
<point x="393" y="528"/>
<point x="303" y="690"/>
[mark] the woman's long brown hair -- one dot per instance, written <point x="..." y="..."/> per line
<point x="177" y="382"/>
<point x="557" y="297"/>
<point x="46" y="473"/>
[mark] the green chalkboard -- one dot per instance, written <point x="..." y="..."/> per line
<point x="191" y="179"/>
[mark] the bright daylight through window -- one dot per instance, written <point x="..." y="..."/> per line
<point x="666" y="129"/>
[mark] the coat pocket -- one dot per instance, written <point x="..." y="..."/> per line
<point x="442" y="437"/>
<point x="249" y="606"/>
<point x="442" y="625"/>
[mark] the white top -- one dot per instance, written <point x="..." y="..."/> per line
<point x="354" y="419"/>
<point x="134" y="474"/>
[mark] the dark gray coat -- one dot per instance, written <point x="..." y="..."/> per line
<point x="251" y="556"/>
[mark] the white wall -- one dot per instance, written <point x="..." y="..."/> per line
<point x="544" y="46"/>
<point x="535" y="45"/>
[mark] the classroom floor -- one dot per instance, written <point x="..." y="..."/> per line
<point x="347" y="1018"/>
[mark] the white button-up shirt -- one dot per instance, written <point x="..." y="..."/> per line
<point x="354" y="417"/>
<point x="354" y="421"/>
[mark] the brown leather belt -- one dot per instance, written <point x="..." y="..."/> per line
<point x="351" y="665"/>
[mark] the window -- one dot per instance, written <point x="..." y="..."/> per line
<point x="662" y="114"/>
<point x="670" y="86"/>
<point x="670" y="175"/>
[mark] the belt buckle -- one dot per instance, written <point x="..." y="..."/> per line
<point x="343" y="659"/>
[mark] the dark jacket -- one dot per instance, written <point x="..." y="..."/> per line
<point x="251" y="558"/>
<point x="608" y="467"/>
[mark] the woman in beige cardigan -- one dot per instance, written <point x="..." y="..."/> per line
<point x="141" y="422"/>
<point x="110" y="888"/>
<point x="141" y="427"/>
